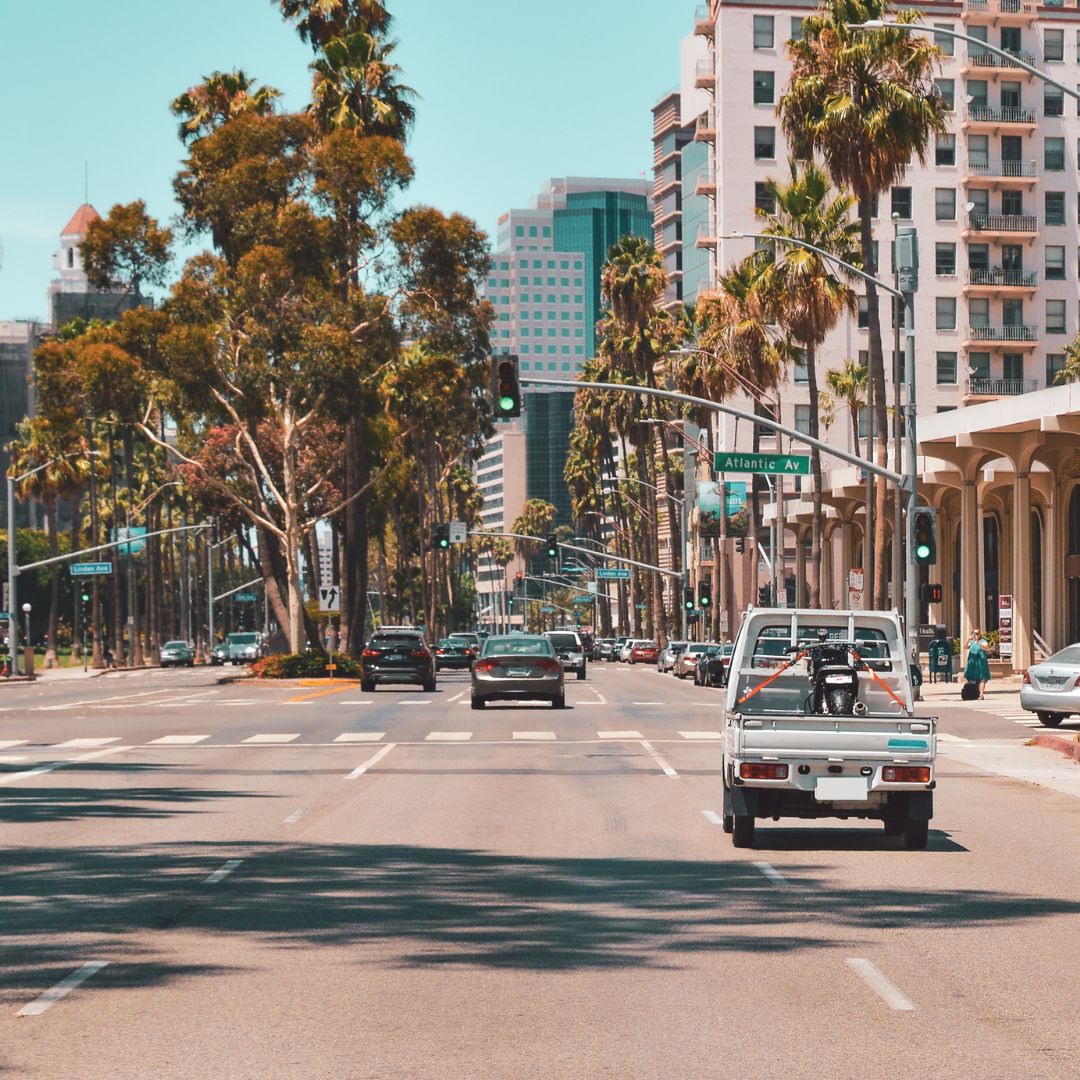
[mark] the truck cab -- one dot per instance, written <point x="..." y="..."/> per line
<point x="787" y="755"/>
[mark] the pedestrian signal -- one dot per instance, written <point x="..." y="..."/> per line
<point x="931" y="594"/>
<point x="740" y="544"/>
<point x="924" y="537"/>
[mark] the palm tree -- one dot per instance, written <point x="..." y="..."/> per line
<point x="536" y="519"/>
<point x="846" y="384"/>
<point x="812" y="297"/>
<point x="1070" y="371"/>
<point x="220" y="97"/>
<point x="866" y="103"/>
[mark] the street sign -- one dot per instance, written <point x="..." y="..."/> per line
<point x="4" y="616"/>
<point x="330" y="598"/>
<point x="547" y="607"/>
<point x="1005" y="619"/>
<point x="458" y="532"/>
<point x="931" y="630"/>
<point x="246" y="597"/>
<point x="613" y="573"/>
<point x="84" y="569"/>
<point x="783" y="464"/>
<point x="641" y="607"/>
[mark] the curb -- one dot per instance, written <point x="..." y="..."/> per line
<point x="1069" y="747"/>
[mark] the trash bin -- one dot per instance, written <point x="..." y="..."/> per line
<point x="940" y="655"/>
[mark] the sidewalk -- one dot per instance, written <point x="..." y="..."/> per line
<point x="997" y="689"/>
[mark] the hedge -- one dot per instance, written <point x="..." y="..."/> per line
<point x="305" y="665"/>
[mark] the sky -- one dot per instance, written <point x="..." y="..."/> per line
<point x="510" y="93"/>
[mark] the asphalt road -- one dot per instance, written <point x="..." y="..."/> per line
<point x="234" y="881"/>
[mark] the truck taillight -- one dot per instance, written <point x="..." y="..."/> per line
<point x="906" y="774"/>
<point x="759" y="771"/>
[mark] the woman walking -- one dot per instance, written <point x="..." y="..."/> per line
<point x="977" y="669"/>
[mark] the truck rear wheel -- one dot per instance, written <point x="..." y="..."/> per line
<point x="916" y="834"/>
<point x="729" y="823"/>
<point x="894" y="827"/>
<point x="742" y="831"/>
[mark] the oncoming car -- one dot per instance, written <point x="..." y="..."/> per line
<point x="518" y="667"/>
<point x="569" y="649"/>
<point x="177" y="653"/>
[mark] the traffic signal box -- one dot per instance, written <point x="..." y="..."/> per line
<point x="688" y="599"/>
<point x="552" y="546"/>
<point x="506" y="389"/>
<point x="704" y="597"/>
<point x="931" y="594"/>
<point x="924" y="537"/>
<point x="440" y="537"/>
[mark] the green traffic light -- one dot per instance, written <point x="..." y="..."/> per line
<point x="922" y="551"/>
<point x="506" y="404"/>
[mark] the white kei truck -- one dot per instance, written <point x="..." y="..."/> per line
<point x="787" y="755"/>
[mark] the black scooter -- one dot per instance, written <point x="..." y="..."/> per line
<point x="834" y="679"/>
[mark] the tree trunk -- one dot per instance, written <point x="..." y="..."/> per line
<point x="815" y="480"/>
<point x="54" y="585"/>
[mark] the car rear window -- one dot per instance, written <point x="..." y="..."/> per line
<point x="242" y="639"/>
<point x="518" y="646"/>
<point x="564" y="641"/>
<point x="1069" y="655"/>
<point x="382" y="640"/>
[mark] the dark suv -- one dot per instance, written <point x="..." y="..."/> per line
<point x="397" y="656"/>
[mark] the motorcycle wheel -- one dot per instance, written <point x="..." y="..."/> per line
<point x="840" y="702"/>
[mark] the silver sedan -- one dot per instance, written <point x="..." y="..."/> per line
<point x="1051" y="689"/>
<point x="515" y="667"/>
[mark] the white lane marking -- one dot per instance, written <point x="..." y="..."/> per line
<point x="106" y="701"/>
<point x="702" y="734"/>
<point x="373" y="760"/>
<point x="769" y="871"/>
<point x="413" y="701"/>
<point x="239" y="701"/>
<point x="879" y="984"/>
<point x="365" y="701"/>
<point x="11" y="778"/>
<point x="360" y="736"/>
<point x="85" y="744"/>
<point x="9" y="744"/>
<point x="273" y="738"/>
<point x="713" y="817"/>
<point x="448" y="736"/>
<point x="664" y="766"/>
<point x="296" y="703"/>
<point x="62" y="988"/>
<point x="601" y="700"/>
<point x="577" y="703"/>
<point x="223" y="871"/>
<point x="1028" y="723"/>
<point x="618" y="735"/>
<point x="295" y="816"/>
<point x="534" y="735"/>
<point x="13" y="759"/>
<point x="456" y="696"/>
<point x="646" y="703"/>
<point x="178" y="740"/>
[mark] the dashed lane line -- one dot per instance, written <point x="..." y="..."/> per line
<point x="178" y="740"/>
<point x="713" y="817"/>
<point x="358" y="701"/>
<point x="457" y="697"/>
<point x="373" y="760"/>
<point x="702" y="734"/>
<point x="448" y="736"/>
<point x="85" y="744"/>
<point x="40" y="770"/>
<point x="881" y="986"/>
<point x="665" y="768"/>
<point x="768" y="871"/>
<point x="359" y="736"/>
<point x="222" y="871"/>
<point x="295" y="816"/>
<point x="62" y="988"/>
<point x="273" y="738"/>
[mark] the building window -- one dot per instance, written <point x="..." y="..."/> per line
<point x="1055" y="208"/>
<point x="1055" y="263"/>
<point x="763" y="31"/>
<point x="1054" y="154"/>
<point x="977" y="89"/>
<point x="979" y="365"/>
<point x="796" y="26"/>
<point x="801" y="374"/>
<point x="532" y="231"/>
<point x="765" y="143"/>
<point x="1055" y="361"/>
<point x="1053" y="44"/>
<point x="864" y="313"/>
<point x="945" y="42"/>
<point x="946" y="369"/>
<point x="901" y="201"/>
<point x="944" y="204"/>
<point x="1053" y="100"/>
<point x="945" y="312"/>
<point x="802" y="419"/>
<point x="764" y="82"/>
<point x="947" y="90"/>
<point x="763" y="198"/>
<point x="945" y="259"/>
<point x="945" y="150"/>
<point x="519" y="230"/>
<point x="1055" y="316"/>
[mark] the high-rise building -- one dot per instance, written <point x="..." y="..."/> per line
<point x="18" y="340"/>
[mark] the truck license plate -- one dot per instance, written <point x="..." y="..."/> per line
<point x="841" y="789"/>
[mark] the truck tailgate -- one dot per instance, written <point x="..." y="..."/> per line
<point x="832" y="737"/>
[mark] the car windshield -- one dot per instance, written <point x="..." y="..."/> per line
<point x="175" y="645"/>
<point x="243" y="639"/>
<point x="564" y="641"/>
<point x="1069" y="655"/>
<point x="645" y="645"/>
<point x="518" y="646"/>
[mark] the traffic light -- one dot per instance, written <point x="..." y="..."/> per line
<point x="85" y="597"/>
<point x="931" y="594"/>
<point x="924" y="537"/>
<point x="552" y="546"/>
<point x="704" y="597"/>
<point x="740" y="544"/>
<point x="440" y="537"/>
<point x="688" y="599"/>
<point x="507" y="391"/>
<point x="519" y="577"/>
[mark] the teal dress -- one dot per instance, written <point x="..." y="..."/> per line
<point x="977" y="669"/>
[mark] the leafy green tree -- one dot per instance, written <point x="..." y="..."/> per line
<point x="128" y="248"/>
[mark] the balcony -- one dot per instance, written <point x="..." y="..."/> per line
<point x="1005" y="12"/>
<point x="705" y="129"/>
<point x="703" y="23"/>
<point x="706" y="236"/>
<point x="997" y="280"/>
<point x="1001" y="117"/>
<point x="705" y="183"/>
<point x="980" y="62"/>
<point x="1014" y="226"/>
<point x="985" y="389"/>
<point x="1017" y="335"/>
<point x="705" y="75"/>
<point x="1001" y="173"/>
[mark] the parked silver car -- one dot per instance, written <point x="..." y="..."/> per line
<point x="668" y="655"/>
<point x="686" y="661"/>
<point x="516" y="667"/>
<point x="1051" y="689"/>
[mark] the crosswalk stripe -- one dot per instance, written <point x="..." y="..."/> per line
<point x="178" y="740"/>
<point x="534" y="735"/>
<point x="619" y="735"/>
<point x="702" y="734"/>
<point x="360" y="736"/>
<point x="85" y="744"/>
<point x="7" y="744"/>
<point x="274" y="738"/>
<point x="448" y="736"/>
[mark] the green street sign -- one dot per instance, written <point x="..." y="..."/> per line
<point x="782" y="464"/>
<point x="5" y="615"/>
<point x="613" y="573"/>
<point x="641" y="607"/>
<point x="82" y="569"/>
<point x="246" y="597"/>
<point x="547" y="607"/>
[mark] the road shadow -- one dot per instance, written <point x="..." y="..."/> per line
<point x="840" y="839"/>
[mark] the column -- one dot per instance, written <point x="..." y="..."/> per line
<point x="800" y="567"/>
<point x="970" y="560"/>
<point x="827" y="569"/>
<point x="1051" y="583"/>
<point x="1021" y="571"/>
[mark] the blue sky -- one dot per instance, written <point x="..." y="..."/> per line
<point x="510" y="93"/>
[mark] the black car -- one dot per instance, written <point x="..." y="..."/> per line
<point x="397" y="656"/>
<point x="455" y="653"/>
<point x="712" y="668"/>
